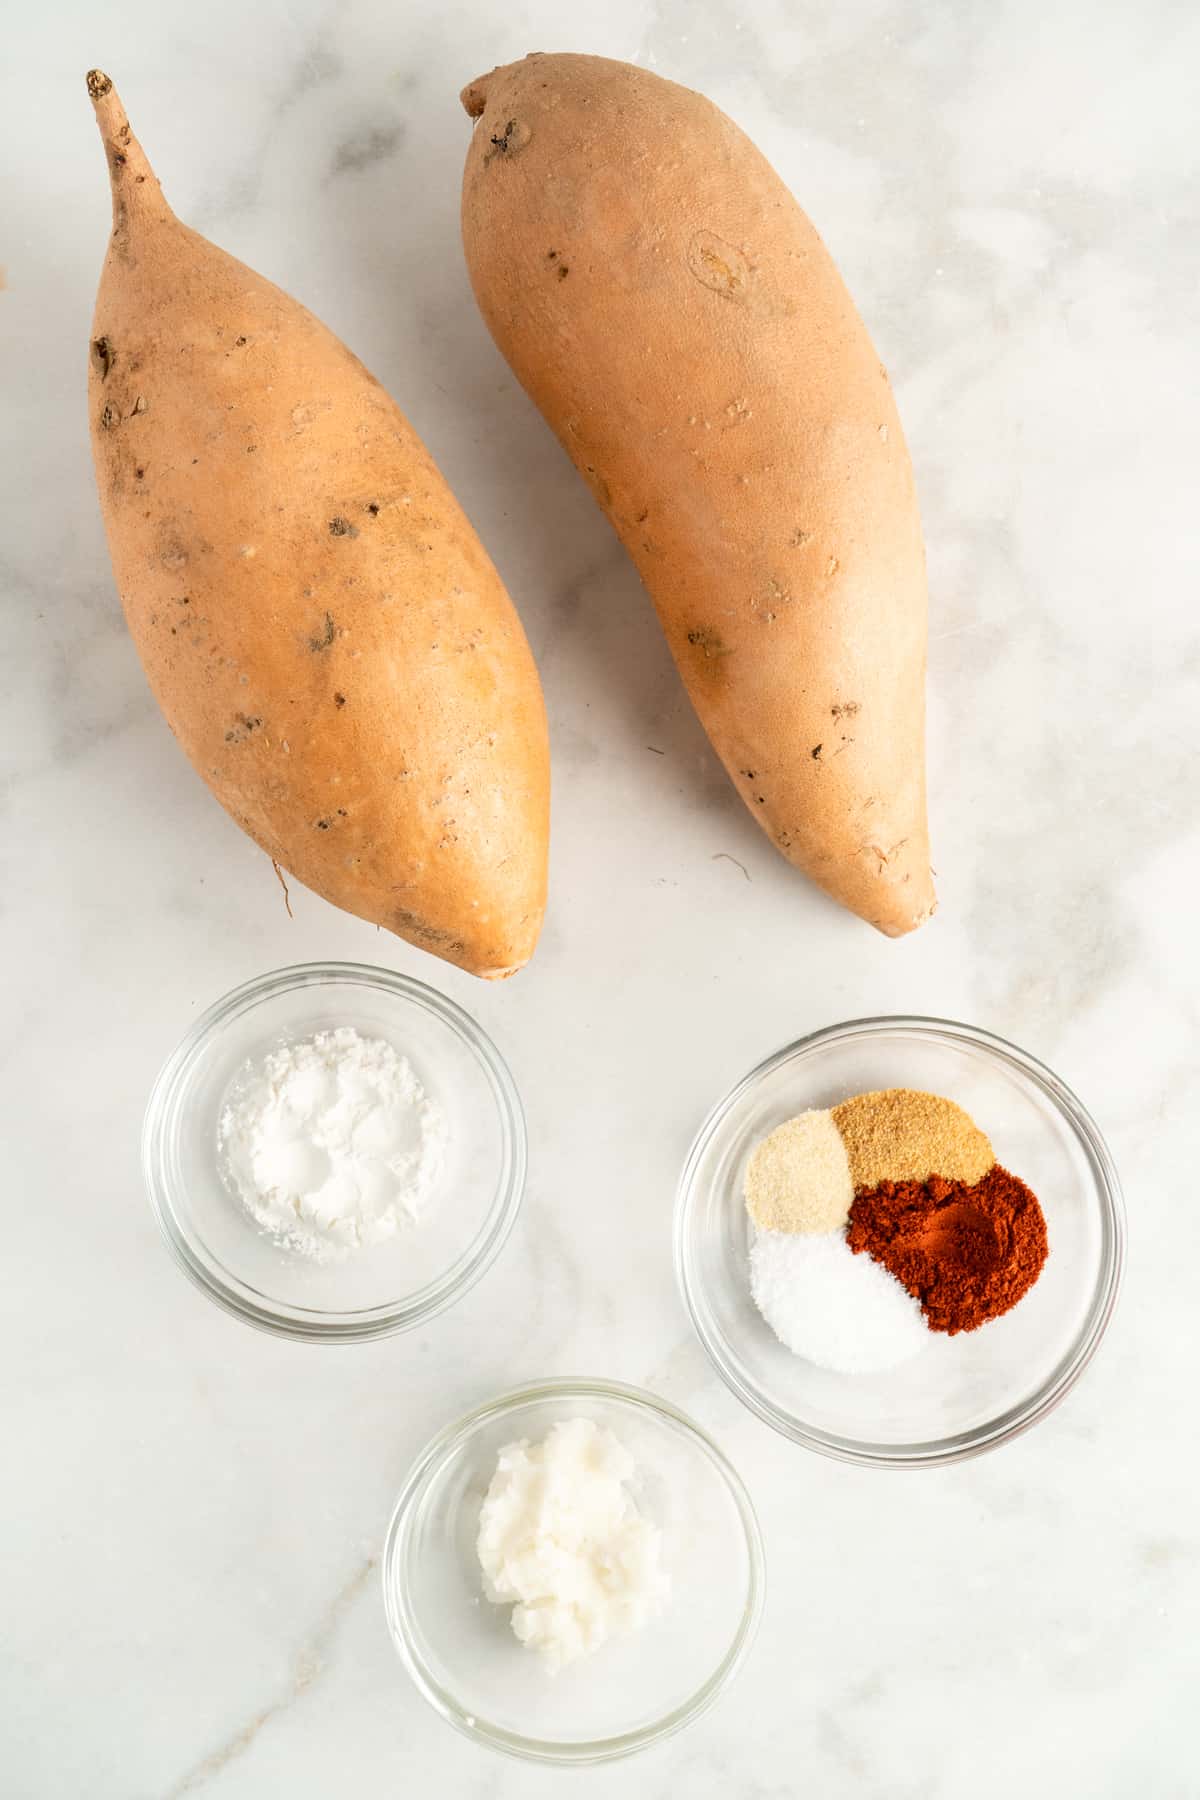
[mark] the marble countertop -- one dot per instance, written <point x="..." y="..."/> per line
<point x="193" y="1512"/>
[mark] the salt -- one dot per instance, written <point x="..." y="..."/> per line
<point x="838" y="1310"/>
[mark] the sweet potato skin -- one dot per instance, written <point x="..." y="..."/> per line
<point x="319" y="623"/>
<point x="679" y="322"/>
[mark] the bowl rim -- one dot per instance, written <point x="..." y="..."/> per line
<point x="406" y="1635"/>
<point x="315" y="1324"/>
<point x="934" y="1452"/>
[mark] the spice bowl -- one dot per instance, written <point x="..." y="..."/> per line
<point x="963" y="1393"/>
<point x="380" y="1288"/>
<point x="459" y="1648"/>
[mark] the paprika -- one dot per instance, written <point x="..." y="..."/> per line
<point x="967" y="1251"/>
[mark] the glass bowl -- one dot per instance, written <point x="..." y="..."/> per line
<point x="384" y="1287"/>
<point x="459" y="1647"/>
<point x="962" y="1394"/>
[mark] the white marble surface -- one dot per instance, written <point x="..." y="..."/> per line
<point x="191" y="1512"/>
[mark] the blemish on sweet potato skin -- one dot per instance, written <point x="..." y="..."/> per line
<point x="433" y="937"/>
<point x="326" y="636"/>
<point x="710" y="645"/>
<point x="507" y="141"/>
<point x="242" y="728"/>
<point x="598" y="485"/>
<point x="720" y="266"/>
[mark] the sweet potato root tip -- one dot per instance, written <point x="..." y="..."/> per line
<point x="474" y="96"/>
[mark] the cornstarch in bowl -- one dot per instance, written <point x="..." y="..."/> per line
<point x="332" y="1144"/>
<point x="334" y="1152"/>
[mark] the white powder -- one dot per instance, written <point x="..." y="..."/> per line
<point x="332" y="1143"/>
<point x="836" y="1309"/>
<point x="560" y="1534"/>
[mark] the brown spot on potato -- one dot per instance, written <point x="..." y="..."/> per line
<point x="303" y="416"/>
<point x="373" y="508"/>
<point x="816" y="752"/>
<point x="242" y="728"/>
<point x="339" y="700"/>
<point x="846" y="709"/>
<point x="509" y="141"/>
<point x="108" y="418"/>
<point x="340" y="527"/>
<point x="327" y="636"/>
<point x="409" y="925"/>
<point x="598" y="485"/>
<point x="104" y="356"/>
<point x="719" y="266"/>
<point x="710" y="643"/>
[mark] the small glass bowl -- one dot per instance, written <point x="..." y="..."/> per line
<point x="962" y="1394"/>
<point x="384" y="1287"/>
<point x="459" y="1647"/>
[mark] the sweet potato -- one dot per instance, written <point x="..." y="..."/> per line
<point x="321" y="627"/>
<point x="682" y="327"/>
